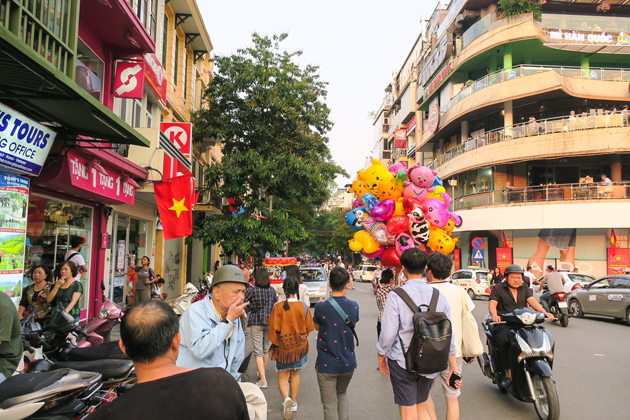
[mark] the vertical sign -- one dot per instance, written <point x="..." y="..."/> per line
<point x="504" y="258"/>
<point x="120" y="256"/>
<point x="400" y="138"/>
<point x="13" y="211"/>
<point x="618" y="260"/>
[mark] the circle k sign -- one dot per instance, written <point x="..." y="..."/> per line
<point x="180" y="134"/>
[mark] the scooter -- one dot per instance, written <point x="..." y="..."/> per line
<point x="100" y="328"/>
<point x="184" y="301"/>
<point x="559" y="307"/>
<point x="530" y="355"/>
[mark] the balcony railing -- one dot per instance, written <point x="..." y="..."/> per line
<point x="47" y="26"/>
<point x="534" y="128"/>
<point x="592" y="73"/>
<point x="544" y="194"/>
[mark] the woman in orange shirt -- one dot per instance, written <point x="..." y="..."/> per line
<point x="289" y="324"/>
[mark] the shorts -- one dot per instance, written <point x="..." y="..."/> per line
<point x="409" y="388"/>
<point x="449" y="392"/>
<point x="558" y="238"/>
<point x="260" y="340"/>
<point x="292" y="366"/>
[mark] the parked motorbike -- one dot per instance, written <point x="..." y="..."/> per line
<point x="100" y="328"/>
<point x="184" y="301"/>
<point x="530" y="355"/>
<point x="559" y="307"/>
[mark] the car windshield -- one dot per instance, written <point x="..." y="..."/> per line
<point x="312" y="275"/>
<point x="482" y="275"/>
<point x="581" y="278"/>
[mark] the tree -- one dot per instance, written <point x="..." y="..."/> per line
<point x="327" y="233"/>
<point x="271" y="116"/>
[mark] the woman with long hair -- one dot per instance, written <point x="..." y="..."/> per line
<point x="261" y="299"/>
<point x="294" y="271"/>
<point x="35" y="296"/>
<point x="67" y="290"/>
<point x="289" y="325"/>
<point x="497" y="277"/>
<point x="144" y="279"/>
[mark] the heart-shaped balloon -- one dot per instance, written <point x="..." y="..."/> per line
<point x="383" y="210"/>
<point x="375" y="254"/>
<point x="398" y="224"/>
<point x="357" y="203"/>
<point x="403" y="242"/>
<point x="390" y="258"/>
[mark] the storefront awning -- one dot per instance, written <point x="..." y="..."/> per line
<point x="34" y="87"/>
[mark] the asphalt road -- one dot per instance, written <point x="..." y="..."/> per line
<point x="592" y="376"/>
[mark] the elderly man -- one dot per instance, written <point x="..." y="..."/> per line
<point x="149" y="336"/>
<point x="212" y="331"/>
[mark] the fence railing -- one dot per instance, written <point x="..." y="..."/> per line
<point x="534" y="128"/>
<point x="544" y="193"/>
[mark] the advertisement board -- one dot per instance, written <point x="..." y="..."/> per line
<point x="129" y="80"/>
<point x="618" y="260"/>
<point x="400" y="138"/>
<point x="504" y="258"/>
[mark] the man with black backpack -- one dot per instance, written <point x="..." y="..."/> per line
<point x="416" y="340"/>
<point x="74" y="255"/>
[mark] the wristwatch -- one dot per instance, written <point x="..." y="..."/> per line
<point x="226" y="321"/>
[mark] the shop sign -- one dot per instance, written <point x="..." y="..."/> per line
<point x="618" y="260"/>
<point x="411" y="125"/>
<point x="112" y="184"/>
<point x="180" y="134"/>
<point x="434" y="118"/>
<point x="154" y="73"/>
<point x="24" y="144"/>
<point x="400" y="138"/>
<point x="446" y="69"/>
<point x="129" y="81"/>
<point x="589" y="38"/>
<point x="14" y="192"/>
<point x="443" y="51"/>
<point x="504" y="258"/>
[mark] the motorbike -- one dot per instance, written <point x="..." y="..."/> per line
<point x="559" y="307"/>
<point x="100" y="328"/>
<point x="530" y="355"/>
<point x="184" y="301"/>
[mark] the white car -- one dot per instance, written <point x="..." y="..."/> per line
<point x="572" y="281"/>
<point x="364" y="272"/>
<point x="473" y="280"/>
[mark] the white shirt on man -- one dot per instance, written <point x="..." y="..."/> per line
<point x="77" y="259"/>
<point x="459" y="301"/>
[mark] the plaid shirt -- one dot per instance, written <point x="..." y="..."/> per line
<point x="381" y="298"/>
<point x="261" y="301"/>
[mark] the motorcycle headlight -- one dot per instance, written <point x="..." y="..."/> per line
<point x="528" y="351"/>
<point x="527" y="318"/>
<point x="104" y="313"/>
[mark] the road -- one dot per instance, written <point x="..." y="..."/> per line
<point x="590" y="370"/>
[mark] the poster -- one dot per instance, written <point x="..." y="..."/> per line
<point x="120" y="256"/>
<point x="13" y="211"/>
<point x="457" y="259"/>
<point x="504" y="258"/>
<point x="618" y="261"/>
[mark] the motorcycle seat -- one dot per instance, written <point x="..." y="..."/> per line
<point x="104" y="351"/>
<point x="110" y="369"/>
<point x="25" y="384"/>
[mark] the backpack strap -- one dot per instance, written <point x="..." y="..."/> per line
<point x="407" y="299"/>
<point x="70" y="257"/>
<point x="434" y="300"/>
<point x="305" y="307"/>
<point x="344" y="316"/>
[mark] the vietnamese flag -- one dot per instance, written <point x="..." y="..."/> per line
<point x="176" y="199"/>
<point x="613" y="242"/>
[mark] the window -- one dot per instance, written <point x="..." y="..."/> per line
<point x="165" y="40"/>
<point x="123" y="109"/>
<point x="176" y="66"/>
<point x="136" y="113"/>
<point x="185" y="79"/>
<point x="152" y="19"/>
<point x="466" y="275"/>
<point x="149" y="114"/>
<point x="621" y="283"/>
<point x="89" y="70"/>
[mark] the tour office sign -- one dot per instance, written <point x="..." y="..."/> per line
<point x="24" y="144"/>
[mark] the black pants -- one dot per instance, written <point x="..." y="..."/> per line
<point x="378" y="330"/>
<point x="501" y="339"/>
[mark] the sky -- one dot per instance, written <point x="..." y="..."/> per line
<point x="356" y="44"/>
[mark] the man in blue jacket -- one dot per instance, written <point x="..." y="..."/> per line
<point x="212" y="331"/>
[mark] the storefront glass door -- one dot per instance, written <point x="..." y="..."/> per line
<point x="120" y="242"/>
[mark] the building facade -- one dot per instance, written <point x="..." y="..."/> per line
<point x="521" y="117"/>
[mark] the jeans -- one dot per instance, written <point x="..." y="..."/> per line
<point x="544" y="300"/>
<point x="333" y="389"/>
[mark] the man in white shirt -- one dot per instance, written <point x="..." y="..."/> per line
<point x="438" y="269"/>
<point x="74" y="255"/>
<point x="531" y="277"/>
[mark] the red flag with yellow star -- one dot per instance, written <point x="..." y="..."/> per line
<point x="613" y="241"/>
<point x="176" y="199"/>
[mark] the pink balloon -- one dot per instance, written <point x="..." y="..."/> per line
<point x="375" y="254"/>
<point x="357" y="203"/>
<point x="403" y="242"/>
<point x="383" y="210"/>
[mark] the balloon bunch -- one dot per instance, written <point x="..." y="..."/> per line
<point x="399" y="208"/>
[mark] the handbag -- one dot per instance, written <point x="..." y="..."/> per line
<point x="471" y="343"/>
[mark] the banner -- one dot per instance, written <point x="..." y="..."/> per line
<point x="457" y="259"/>
<point x="618" y="260"/>
<point x="13" y="211"/>
<point x="504" y="258"/>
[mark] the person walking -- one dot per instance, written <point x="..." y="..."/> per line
<point x="387" y="285"/>
<point x="290" y="323"/>
<point x="336" y="360"/>
<point x="294" y="271"/>
<point x="144" y="279"/>
<point x="67" y="290"/>
<point x="464" y="328"/>
<point x="411" y="390"/>
<point x="261" y="300"/>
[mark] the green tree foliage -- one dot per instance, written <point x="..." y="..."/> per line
<point x="511" y="8"/>
<point x="271" y="116"/>
<point x="327" y="233"/>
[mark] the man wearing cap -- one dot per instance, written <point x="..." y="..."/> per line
<point x="212" y="331"/>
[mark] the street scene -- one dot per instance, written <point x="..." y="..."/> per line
<point x="277" y="210"/>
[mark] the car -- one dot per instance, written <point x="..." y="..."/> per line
<point x="317" y="281"/>
<point x="364" y="272"/>
<point x="473" y="280"/>
<point x="572" y="281"/>
<point x="606" y="296"/>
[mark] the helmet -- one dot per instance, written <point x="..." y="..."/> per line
<point x="550" y="267"/>
<point x="228" y="274"/>
<point x="514" y="269"/>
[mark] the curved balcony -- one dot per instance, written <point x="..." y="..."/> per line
<point x="555" y="137"/>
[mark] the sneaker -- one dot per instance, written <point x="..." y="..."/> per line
<point x="286" y="408"/>
<point x="294" y="407"/>
<point x="261" y="384"/>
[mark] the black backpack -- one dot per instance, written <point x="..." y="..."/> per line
<point x="431" y="342"/>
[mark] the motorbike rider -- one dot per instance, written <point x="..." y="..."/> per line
<point x="506" y="297"/>
<point x="554" y="281"/>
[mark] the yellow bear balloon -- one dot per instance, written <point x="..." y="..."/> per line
<point x="448" y="229"/>
<point x="437" y="193"/>
<point x="376" y="175"/>
<point x="358" y="187"/>
<point x="440" y="242"/>
<point x="364" y="241"/>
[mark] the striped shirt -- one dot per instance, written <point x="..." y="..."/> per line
<point x="381" y="298"/>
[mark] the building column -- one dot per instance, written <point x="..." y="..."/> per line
<point x="464" y="131"/>
<point x="615" y="169"/>
<point x="507" y="57"/>
<point x="508" y="118"/>
<point x="584" y="63"/>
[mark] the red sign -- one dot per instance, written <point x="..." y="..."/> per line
<point x="129" y="82"/>
<point x="504" y="258"/>
<point x="446" y="69"/>
<point x="411" y="125"/>
<point x="457" y="259"/>
<point x="400" y="138"/>
<point x="618" y="261"/>
<point x="477" y="243"/>
<point x="155" y="76"/>
<point x="180" y="134"/>
<point x="111" y="184"/>
<point x="173" y="168"/>
<point x="434" y="118"/>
